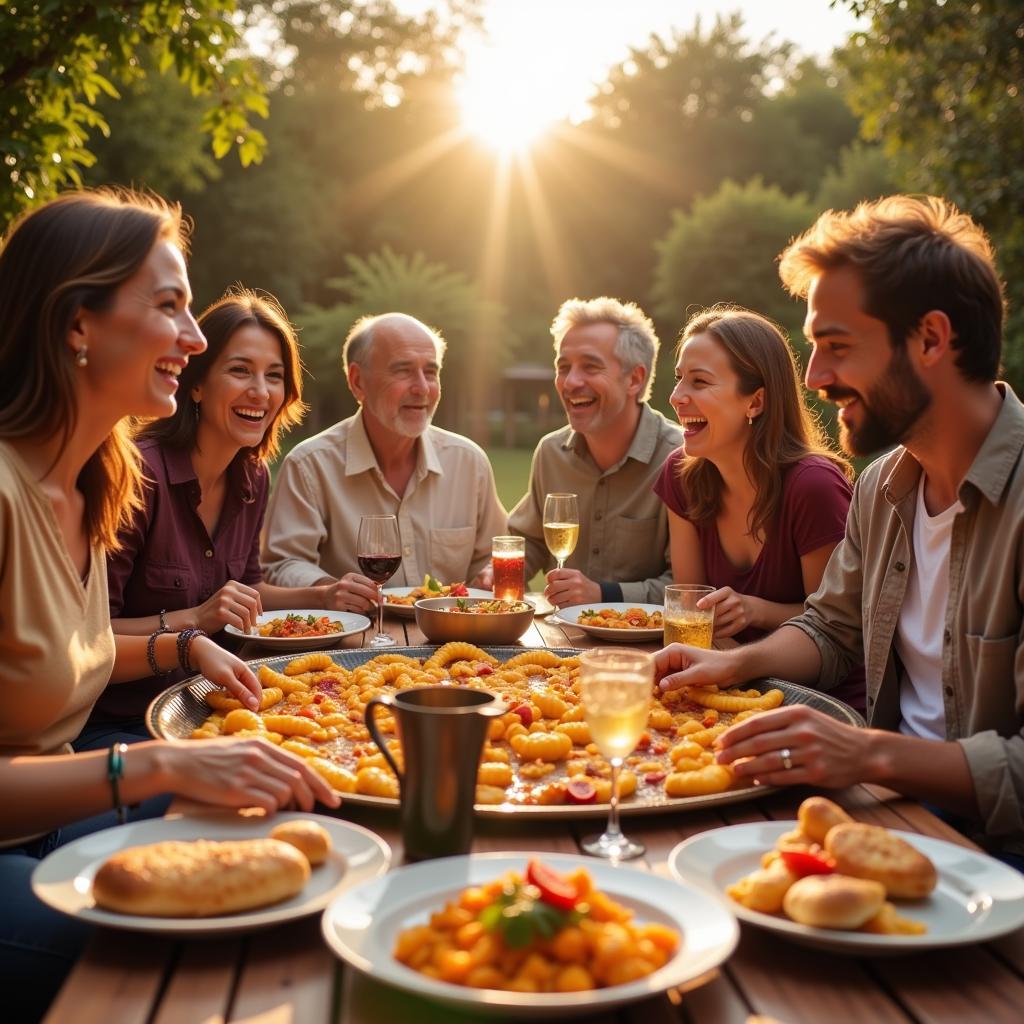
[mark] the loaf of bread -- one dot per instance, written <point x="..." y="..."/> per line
<point x="870" y="851"/>
<point x="309" y="837"/>
<point x="201" y="878"/>
<point x="833" y="901"/>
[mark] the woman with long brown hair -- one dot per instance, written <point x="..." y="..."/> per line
<point x="95" y="329"/>
<point x="189" y="558"/>
<point x="757" y="497"/>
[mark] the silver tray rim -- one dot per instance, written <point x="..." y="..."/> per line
<point x="198" y="686"/>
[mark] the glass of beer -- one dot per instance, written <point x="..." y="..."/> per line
<point x="561" y="525"/>
<point x="615" y="689"/>
<point x="685" y="623"/>
<point x="508" y="562"/>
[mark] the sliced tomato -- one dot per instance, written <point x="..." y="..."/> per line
<point x="581" y="791"/>
<point x="484" y="670"/>
<point x="802" y="863"/>
<point x="306" y="712"/>
<point x="652" y="777"/>
<point x="458" y="590"/>
<point x="525" y="713"/>
<point x="559" y="892"/>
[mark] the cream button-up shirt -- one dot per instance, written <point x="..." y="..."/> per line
<point x="446" y="518"/>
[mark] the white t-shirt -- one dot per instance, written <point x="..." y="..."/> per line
<point x="918" y="639"/>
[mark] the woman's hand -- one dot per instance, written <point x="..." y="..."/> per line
<point x="243" y="773"/>
<point x="733" y="612"/>
<point x="224" y="669"/>
<point x="352" y="593"/>
<point x="679" y="666"/>
<point x="234" y="604"/>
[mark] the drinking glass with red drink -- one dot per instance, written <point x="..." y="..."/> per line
<point x="379" y="553"/>
<point x="508" y="560"/>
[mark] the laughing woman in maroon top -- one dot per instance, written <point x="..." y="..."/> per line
<point x="757" y="498"/>
<point x="191" y="555"/>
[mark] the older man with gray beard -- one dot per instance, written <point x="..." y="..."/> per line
<point x="387" y="459"/>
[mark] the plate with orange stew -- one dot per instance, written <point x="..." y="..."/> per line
<point x="302" y="629"/>
<point x="598" y="935"/>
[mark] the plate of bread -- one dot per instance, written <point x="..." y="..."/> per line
<point x="210" y="873"/>
<point x="831" y="882"/>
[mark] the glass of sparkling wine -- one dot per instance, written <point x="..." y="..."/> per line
<point x="685" y="623"/>
<point x="379" y="553"/>
<point x="615" y="687"/>
<point x="561" y="525"/>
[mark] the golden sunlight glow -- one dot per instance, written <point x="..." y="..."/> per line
<point x="505" y="102"/>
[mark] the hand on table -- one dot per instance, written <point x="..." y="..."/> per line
<point x="819" y="750"/>
<point x="245" y="773"/>
<point x="234" y="604"/>
<point x="352" y="593"/>
<point x="566" y="587"/>
<point x="484" y="578"/>
<point x="224" y="669"/>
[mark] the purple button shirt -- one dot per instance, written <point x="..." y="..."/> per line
<point x="169" y="561"/>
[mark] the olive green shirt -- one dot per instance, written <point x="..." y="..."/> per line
<point x="623" y="523"/>
<point x="858" y="604"/>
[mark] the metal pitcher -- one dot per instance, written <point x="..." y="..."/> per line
<point x="442" y="729"/>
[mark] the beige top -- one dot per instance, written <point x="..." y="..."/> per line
<point x="623" y="542"/>
<point x="56" y="645"/>
<point x="857" y="607"/>
<point x="446" y="518"/>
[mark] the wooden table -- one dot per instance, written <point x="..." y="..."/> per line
<point x="287" y="976"/>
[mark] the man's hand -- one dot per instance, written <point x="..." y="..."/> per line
<point x="679" y="666"/>
<point x="352" y="593"/>
<point x="567" y="587"/>
<point x="820" y="750"/>
<point x="484" y="579"/>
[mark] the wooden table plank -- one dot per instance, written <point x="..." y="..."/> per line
<point x="119" y="977"/>
<point x="201" y="985"/>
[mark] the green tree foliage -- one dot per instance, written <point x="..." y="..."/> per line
<point x="940" y="85"/>
<point x="863" y="172"/>
<point x="59" y="57"/>
<point x="384" y="282"/>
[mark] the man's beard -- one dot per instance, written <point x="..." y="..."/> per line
<point x="888" y="411"/>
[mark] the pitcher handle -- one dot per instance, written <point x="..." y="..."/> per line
<point x="371" y="723"/>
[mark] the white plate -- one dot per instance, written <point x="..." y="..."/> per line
<point x="977" y="899"/>
<point x="569" y="616"/>
<point x="351" y="623"/>
<point x="64" y="878"/>
<point x="361" y="926"/>
<point x="408" y="611"/>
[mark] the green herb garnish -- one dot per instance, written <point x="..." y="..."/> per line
<point x="519" y="915"/>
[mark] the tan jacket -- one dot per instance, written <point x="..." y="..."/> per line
<point x="983" y="632"/>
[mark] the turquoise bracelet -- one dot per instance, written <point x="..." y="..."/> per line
<point x="115" y="772"/>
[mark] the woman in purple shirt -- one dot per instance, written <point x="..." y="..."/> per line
<point x="190" y="556"/>
<point x="757" y="498"/>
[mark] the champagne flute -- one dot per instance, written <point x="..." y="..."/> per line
<point x="615" y="688"/>
<point x="379" y="553"/>
<point x="561" y="525"/>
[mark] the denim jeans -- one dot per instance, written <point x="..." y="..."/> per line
<point x="38" y="945"/>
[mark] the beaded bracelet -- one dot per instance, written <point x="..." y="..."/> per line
<point x="185" y="638"/>
<point x="151" y="654"/>
<point x="115" y="772"/>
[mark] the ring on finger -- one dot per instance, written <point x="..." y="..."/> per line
<point x="787" y="758"/>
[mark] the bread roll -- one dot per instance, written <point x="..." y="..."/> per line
<point x="764" y="889"/>
<point x="200" y="878"/>
<point x="307" y="836"/>
<point x="833" y="901"/>
<point x="817" y="815"/>
<point x="869" y="851"/>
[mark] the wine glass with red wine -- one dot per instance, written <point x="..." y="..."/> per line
<point x="379" y="553"/>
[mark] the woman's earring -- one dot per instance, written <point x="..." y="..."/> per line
<point x="195" y="409"/>
<point x="750" y="421"/>
<point x="82" y="357"/>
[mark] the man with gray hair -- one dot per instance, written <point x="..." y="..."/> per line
<point x="609" y="455"/>
<point x="387" y="459"/>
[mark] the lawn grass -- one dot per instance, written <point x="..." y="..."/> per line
<point x="511" y="473"/>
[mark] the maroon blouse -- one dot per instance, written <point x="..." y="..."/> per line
<point x="815" y="499"/>
<point x="168" y="560"/>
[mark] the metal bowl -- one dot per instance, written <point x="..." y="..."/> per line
<point x="442" y="627"/>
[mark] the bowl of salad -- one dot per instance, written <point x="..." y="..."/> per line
<point x="476" y="620"/>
